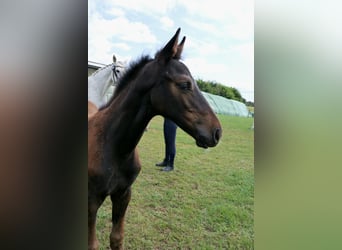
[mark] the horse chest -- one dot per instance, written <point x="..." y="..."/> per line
<point x="121" y="173"/>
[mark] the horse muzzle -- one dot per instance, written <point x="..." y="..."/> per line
<point x="211" y="140"/>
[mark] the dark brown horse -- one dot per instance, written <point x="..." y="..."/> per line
<point x="150" y="87"/>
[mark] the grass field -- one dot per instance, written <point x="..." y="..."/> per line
<point x="207" y="202"/>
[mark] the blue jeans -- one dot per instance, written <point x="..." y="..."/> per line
<point x="170" y="140"/>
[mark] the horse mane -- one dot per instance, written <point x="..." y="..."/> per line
<point x="131" y="72"/>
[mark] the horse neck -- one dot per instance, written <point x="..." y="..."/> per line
<point x="127" y="117"/>
<point x="98" y="85"/>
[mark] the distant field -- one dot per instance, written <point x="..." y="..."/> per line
<point x="207" y="202"/>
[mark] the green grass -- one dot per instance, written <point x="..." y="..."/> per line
<point x="207" y="202"/>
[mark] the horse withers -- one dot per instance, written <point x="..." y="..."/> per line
<point x="162" y="85"/>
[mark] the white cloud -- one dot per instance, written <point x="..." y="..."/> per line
<point x="234" y="18"/>
<point x="121" y="28"/>
<point x="216" y="10"/>
<point x="122" y="46"/>
<point x="201" y="68"/>
<point x="202" y="47"/>
<point x="246" y="51"/>
<point x="115" y="12"/>
<point x="103" y="34"/>
<point x="166" y="22"/>
<point x="151" y="8"/>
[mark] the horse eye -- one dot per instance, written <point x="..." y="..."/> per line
<point x="184" y="85"/>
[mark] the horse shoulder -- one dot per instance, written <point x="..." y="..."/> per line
<point x="95" y="149"/>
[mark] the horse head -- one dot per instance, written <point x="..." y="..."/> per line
<point x="101" y="80"/>
<point x="175" y="95"/>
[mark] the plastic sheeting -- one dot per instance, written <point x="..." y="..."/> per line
<point x="222" y="105"/>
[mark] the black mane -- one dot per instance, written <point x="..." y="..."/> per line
<point x="128" y="76"/>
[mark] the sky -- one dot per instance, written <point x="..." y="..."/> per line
<point x="219" y="42"/>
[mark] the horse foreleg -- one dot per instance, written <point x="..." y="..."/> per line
<point x="93" y="206"/>
<point x="120" y="203"/>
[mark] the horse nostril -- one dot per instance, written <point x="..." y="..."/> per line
<point x="217" y="134"/>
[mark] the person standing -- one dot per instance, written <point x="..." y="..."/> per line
<point x="170" y="145"/>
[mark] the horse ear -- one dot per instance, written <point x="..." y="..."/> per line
<point x="170" y="49"/>
<point x="180" y="49"/>
<point x="114" y="58"/>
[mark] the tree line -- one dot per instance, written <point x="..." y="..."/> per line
<point x="215" y="88"/>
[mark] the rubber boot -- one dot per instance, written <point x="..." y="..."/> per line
<point x="162" y="164"/>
